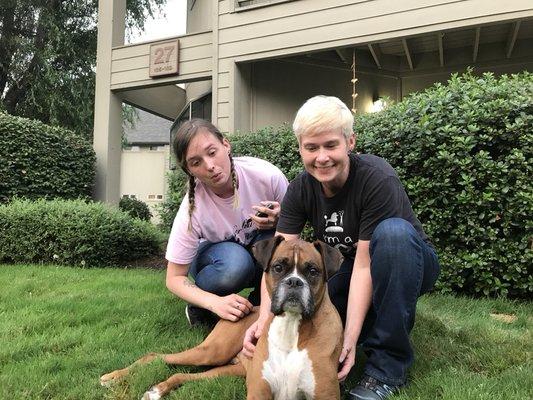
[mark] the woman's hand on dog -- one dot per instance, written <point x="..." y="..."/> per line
<point x="232" y="307"/>
<point x="253" y="333"/>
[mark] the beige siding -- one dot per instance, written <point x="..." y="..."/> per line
<point x="320" y="15"/>
<point x="223" y="80"/>
<point x="224" y="6"/>
<point x="130" y="64"/>
<point x="223" y="124"/>
<point x="303" y="26"/>
<point x="353" y="24"/>
<point x="142" y="174"/>
<point x="223" y="95"/>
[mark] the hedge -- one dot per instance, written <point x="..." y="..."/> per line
<point x="135" y="208"/>
<point x="464" y="152"/>
<point x="41" y="161"/>
<point x="72" y="232"/>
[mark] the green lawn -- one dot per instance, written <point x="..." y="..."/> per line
<point x="61" y="328"/>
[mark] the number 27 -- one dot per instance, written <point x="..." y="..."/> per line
<point x="160" y="53"/>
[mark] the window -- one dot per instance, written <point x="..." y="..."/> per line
<point x="241" y="5"/>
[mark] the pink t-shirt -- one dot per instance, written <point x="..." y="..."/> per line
<point x="214" y="219"/>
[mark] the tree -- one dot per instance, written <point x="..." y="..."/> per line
<point x="48" y="58"/>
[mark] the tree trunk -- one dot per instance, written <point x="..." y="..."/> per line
<point x="6" y="44"/>
<point x="18" y="92"/>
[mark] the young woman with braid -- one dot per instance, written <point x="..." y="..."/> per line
<point x="217" y="223"/>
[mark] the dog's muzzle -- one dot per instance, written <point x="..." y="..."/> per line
<point x="293" y="294"/>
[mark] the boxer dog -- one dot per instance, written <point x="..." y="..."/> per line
<point x="297" y="356"/>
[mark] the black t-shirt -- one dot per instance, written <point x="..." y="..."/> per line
<point x="372" y="193"/>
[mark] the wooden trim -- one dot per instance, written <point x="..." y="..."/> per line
<point x="375" y="51"/>
<point x="216" y="64"/>
<point x="234" y="4"/>
<point x="295" y="42"/>
<point x="441" y="48"/>
<point x="407" y="53"/>
<point x="512" y="38"/>
<point x="341" y="55"/>
<point x="188" y="35"/>
<point x="476" y="44"/>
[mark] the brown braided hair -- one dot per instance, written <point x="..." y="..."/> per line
<point x="235" y="183"/>
<point x="181" y="138"/>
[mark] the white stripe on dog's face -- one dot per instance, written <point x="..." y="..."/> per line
<point x="295" y="296"/>
<point x="302" y="263"/>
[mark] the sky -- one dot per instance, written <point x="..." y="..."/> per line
<point x="171" y="22"/>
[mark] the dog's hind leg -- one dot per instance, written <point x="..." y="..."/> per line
<point x="163" y="388"/>
<point x="107" y="379"/>
<point x="219" y="348"/>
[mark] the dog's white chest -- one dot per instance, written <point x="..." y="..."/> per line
<point x="288" y="370"/>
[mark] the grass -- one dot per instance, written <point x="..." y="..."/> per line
<point x="61" y="328"/>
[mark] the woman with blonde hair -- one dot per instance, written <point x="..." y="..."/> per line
<point x="356" y="203"/>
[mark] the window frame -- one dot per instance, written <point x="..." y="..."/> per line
<point x="263" y="3"/>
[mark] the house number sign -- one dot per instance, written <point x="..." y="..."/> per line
<point x="164" y="58"/>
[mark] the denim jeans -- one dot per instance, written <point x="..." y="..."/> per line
<point x="227" y="267"/>
<point x="402" y="267"/>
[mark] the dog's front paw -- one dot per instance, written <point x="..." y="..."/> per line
<point x="152" y="394"/>
<point x="109" y="379"/>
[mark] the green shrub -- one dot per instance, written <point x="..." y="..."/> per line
<point x="41" y="161"/>
<point x="135" y="208"/>
<point x="177" y="187"/>
<point x="72" y="232"/>
<point x="464" y="152"/>
<point x="278" y="146"/>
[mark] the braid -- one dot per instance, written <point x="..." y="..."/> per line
<point x="235" y="183"/>
<point x="192" y="185"/>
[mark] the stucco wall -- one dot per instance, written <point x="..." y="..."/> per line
<point x="142" y="174"/>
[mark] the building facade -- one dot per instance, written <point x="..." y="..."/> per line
<point x="144" y="161"/>
<point x="258" y="60"/>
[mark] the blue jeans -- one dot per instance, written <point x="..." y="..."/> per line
<point x="402" y="267"/>
<point x="227" y="267"/>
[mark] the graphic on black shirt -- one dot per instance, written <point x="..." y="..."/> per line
<point x="334" y="233"/>
<point x="334" y="223"/>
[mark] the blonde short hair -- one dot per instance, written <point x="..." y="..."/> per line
<point x="323" y="113"/>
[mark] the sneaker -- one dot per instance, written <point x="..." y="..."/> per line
<point x="370" y="388"/>
<point x="198" y="316"/>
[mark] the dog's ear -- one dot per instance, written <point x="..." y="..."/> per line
<point x="264" y="249"/>
<point x="331" y="257"/>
